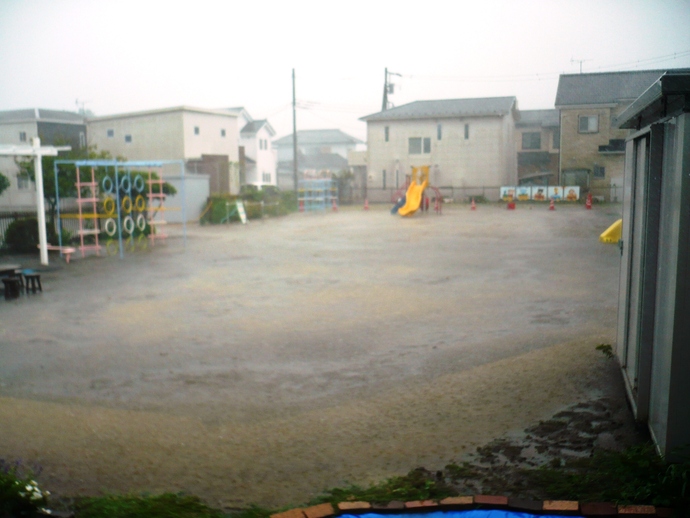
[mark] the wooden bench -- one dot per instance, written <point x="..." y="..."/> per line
<point x="66" y="250"/>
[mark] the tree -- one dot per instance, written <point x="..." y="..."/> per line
<point x="4" y="183"/>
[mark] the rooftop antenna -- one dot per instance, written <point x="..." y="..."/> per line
<point x="80" y="106"/>
<point x="580" y="61"/>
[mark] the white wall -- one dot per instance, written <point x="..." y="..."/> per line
<point x="195" y="197"/>
<point x="166" y="135"/>
<point x="209" y="140"/>
<point x="265" y="159"/>
<point x="485" y="158"/>
<point x="14" y="198"/>
<point x="155" y="136"/>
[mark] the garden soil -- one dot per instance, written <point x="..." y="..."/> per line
<point x="263" y="363"/>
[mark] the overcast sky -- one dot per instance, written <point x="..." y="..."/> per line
<point x="123" y="56"/>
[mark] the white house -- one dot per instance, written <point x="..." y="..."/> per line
<point x="206" y="140"/>
<point x="257" y="156"/>
<point x="316" y="142"/>
<point x="17" y="127"/>
<point x="467" y="142"/>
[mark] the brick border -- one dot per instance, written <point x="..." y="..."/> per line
<point x="488" y="502"/>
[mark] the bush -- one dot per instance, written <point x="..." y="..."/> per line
<point x="19" y="494"/>
<point x="275" y="203"/>
<point x="21" y="235"/>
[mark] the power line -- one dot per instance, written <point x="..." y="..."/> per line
<point x="539" y="76"/>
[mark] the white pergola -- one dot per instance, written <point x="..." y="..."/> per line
<point x="38" y="152"/>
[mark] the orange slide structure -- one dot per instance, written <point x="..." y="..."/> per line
<point x="413" y="198"/>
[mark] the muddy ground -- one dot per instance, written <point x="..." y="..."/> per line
<point x="266" y="362"/>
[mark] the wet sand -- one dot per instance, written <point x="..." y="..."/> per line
<point x="268" y="362"/>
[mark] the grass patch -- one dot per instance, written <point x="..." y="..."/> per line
<point x="418" y="484"/>
<point x="635" y="476"/>
<point x="167" y="505"/>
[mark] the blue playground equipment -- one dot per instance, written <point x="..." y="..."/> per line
<point x="317" y="194"/>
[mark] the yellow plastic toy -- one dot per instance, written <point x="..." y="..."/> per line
<point x="613" y="233"/>
<point x="418" y="183"/>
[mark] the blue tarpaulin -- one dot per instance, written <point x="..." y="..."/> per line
<point x="477" y="513"/>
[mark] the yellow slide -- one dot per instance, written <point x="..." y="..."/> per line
<point x="613" y="233"/>
<point x="413" y="198"/>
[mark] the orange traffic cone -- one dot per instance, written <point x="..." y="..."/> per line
<point x="588" y="203"/>
<point x="366" y="204"/>
<point x="473" y="206"/>
<point x="552" y="205"/>
<point x="301" y="205"/>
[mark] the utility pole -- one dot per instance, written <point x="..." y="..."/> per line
<point x="387" y="88"/>
<point x="384" y="106"/>
<point x="294" y="131"/>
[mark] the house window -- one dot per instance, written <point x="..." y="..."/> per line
<point x="82" y="140"/>
<point x="417" y="145"/>
<point x="111" y="133"/>
<point x="222" y="133"/>
<point x="588" y="124"/>
<point x="556" y="138"/>
<point x="22" y="136"/>
<point x="531" y="140"/>
<point x="266" y="177"/>
<point x="438" y="132"/>
<point x="128" y="138"/>
<point x="414" y="146"/>
<point x="22" y="181"/>
<point x="383" y="178"/>
<point x="467" y="131"/>
<point x="386" y="133"/>
<point x="196" y="130"/>
<point x="599" y="171"/>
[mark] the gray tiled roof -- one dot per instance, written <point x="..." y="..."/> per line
<point x="252" y="127"/>
<point x="35" y="114"/>
<point x="318" y="137"/>
<point x="479" y="107"/>
<point x="543" y="118"/>
<point x="603" y="88"/>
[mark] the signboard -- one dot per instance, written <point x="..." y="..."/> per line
<point x="241" y="211"/>
<point x="538" y="193"/>
<point x="555" y="193"/>
<point x="524" y="193"/>
<point x="572" y="193"/>
<point x="507" y="193"/>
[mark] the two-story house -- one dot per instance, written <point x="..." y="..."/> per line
<point x="258" y="159"/>
<point x="19" y="127"/>
<point x="537" y="140"/>
<point x="467" y="143"/>
<point x="592" y="149"/>
<point x="319" y="153"/>
<point x="206" y="140"/>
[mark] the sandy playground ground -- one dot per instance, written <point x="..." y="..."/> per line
<point x="266" y="362"/>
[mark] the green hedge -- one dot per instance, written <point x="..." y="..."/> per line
<point x="274" y="204"/>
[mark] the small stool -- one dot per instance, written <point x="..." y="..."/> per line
<point x="12" y="287"/>
<point x="19" y="274"/>
<point x="33" y="281"/>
